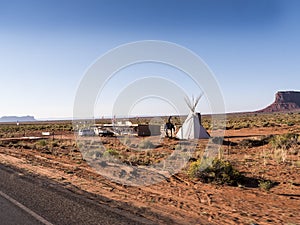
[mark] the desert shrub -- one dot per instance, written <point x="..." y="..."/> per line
<point x="217" y="140"/>
<point x="145" y="161"/>
<point x="296" y="163"/>
<point x="265" y="124"/>
<point x="80" y="145"/>
<point x="229" y="127"/>
<point x="146" y="144"/>
<point x="111" y="152"/>
<point x="280" y="154"/>
<point x="26" y="146"/>
<point x="54" y="144"/>
<point x="21" y="144"/>
<point x="10" y="145"/>
<point x="132" y="159"/>
<point x="290" y="123"/>
<point x="194" y="168"/>
<point x="284" y="140"/>
<point x="42" y="143"/>
<point x="178" y="147"/>
<point x="92" y="154"/>
<point x="265" y="185"/>
<point x="250" y="143"/>
<point x="136" y="160"/>
<point x="219" y="172"/>
<point x="18" y="144"/>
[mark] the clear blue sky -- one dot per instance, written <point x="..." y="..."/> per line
<point x="252" y="46"/>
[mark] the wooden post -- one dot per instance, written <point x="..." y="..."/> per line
<point x="228" y="145"/>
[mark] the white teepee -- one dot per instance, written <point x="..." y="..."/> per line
<point x="192" y="128"/>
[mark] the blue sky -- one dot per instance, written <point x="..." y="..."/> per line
<point x="252" y="47"/>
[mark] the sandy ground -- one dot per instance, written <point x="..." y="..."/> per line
<point x="180" y="199"/>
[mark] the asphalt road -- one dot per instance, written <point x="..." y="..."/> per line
<point x="13" y="215"/>
<point x="30" y="200"/>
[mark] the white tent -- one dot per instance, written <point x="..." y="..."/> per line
<point x="192" y="128"/>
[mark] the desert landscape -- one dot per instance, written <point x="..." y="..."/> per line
<point x="253" y="180"/>
<point x="150" y="112"/>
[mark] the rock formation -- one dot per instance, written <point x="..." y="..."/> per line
<point x="284" y="101"/>
<point x="17" y="118"/>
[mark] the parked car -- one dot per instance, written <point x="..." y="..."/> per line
<point x="86" y="132"/>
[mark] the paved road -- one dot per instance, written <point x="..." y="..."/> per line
<point x="28" y="200"/>
<point x="14" y="215"/>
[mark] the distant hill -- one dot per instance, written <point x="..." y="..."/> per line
<point x="285" y="101"/>
<point x="17" y="118"/>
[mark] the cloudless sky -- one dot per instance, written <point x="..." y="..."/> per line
<point x="252" y="47"/>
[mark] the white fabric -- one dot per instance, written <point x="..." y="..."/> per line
<point x="192" y="129"/>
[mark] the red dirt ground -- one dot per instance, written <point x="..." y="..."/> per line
<point x="180" y="199"/>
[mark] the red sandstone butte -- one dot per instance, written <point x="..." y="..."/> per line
<point x="285" y="101"/>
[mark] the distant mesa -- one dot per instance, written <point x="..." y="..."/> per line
<point x="17" y="118"/>
<point x="285" y="101"/>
